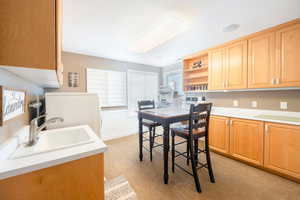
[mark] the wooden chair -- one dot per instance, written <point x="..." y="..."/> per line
<point x="143" y="105"/>
<point x="197" y="128"/>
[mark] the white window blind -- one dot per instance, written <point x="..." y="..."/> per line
<point x="141" y="86"/>
<point x="109" y="85"/>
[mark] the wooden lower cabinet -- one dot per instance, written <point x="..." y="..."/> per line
<point x="219" y="134"/>
<point x="270" y="146"/>
<point x="81" y="179"/>
<point x="246" y="140"/>
<point x="282" y="149"/>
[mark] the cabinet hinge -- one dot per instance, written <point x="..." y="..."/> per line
<point x="266" y="128"/>
<point x="273" y="81"/>
<point x="277" y="80"/>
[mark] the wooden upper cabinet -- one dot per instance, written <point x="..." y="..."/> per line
<point x="261" y="61"/>
<point x="216" y="78"/>
<point x="246" y="140"/>
<point x="236" y="65"/>
<point x="266" y="59"/>
<point x="228" y="67"/>
<point x="219" y="134"/>
<point x="29" y="34"/>
<point x="288" y="56"/>
<point x="282" y="148"/>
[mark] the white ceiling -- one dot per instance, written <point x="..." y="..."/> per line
<point x="108" y="28"/>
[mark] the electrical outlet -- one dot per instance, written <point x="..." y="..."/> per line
<point x="235" y="103"/>
<point x="254" y="104"/>
<point x="283" y="105"/>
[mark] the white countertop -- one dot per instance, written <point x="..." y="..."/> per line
<point x="253" y="114"/>
<point x="283" y="117"/>
<point x="14" y="167"/>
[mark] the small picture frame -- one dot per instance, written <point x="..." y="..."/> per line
<point x="12" y="104"/>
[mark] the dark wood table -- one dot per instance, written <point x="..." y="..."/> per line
<point x="164" y="116"/>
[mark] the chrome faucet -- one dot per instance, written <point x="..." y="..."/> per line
<point x="35" y="129"/>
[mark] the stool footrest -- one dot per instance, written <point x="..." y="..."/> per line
<point x="146" y="148"/>
<point x="202" y="165"/>
<point x="184" y="154"/>
<point x="183" y="169"/>
<point x="158" y="136"/>
<point x="180" y="143"/>
<point x="157" y="145"/>
<point x="201" y="151"/>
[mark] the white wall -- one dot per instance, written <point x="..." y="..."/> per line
<point x="118" y="123"/>
<point x="78" y="63"/>
<point x="175" y="68"/>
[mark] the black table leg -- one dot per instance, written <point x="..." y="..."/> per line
<point x="141" y="137"/>
<point x="166" y="152"/>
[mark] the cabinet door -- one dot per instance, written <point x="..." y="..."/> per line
<point x="236" y="65"/>
<point x="216" y="69"/>
<point x="76" y="180"/>
<point x="261" y="61"/>
<point x="288" y="55"/>
<point x="28" y="34"/>
<point x="219" y="134"/>
<point x="246" y="140"/>
<point x="282" y="148"/>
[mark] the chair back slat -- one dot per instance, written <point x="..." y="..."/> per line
<point x="146" y="104"/>
<point x="199" y="116"/>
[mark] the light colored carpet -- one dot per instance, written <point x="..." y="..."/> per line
<point x="234" y="180"/>
<point x="119" y="189"/>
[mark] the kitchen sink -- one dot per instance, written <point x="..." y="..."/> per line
<point x="55" y="139"/>
<point x="279" y="117"/>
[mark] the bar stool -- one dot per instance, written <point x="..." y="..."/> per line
<point x="144" y="105"/>
<point x="197" y="128"/>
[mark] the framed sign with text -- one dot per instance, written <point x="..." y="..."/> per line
<point x="12" y="103"/>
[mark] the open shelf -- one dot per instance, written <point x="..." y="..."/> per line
<point x="197" y="69"/>
<point x="197" y="83"/>
<point x="195" y="76"/>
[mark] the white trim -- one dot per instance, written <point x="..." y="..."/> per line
<point x="144" y="72"/>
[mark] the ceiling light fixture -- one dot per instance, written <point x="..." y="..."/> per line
<point x="169" y="27"/>
<point x="231" y="27"/>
